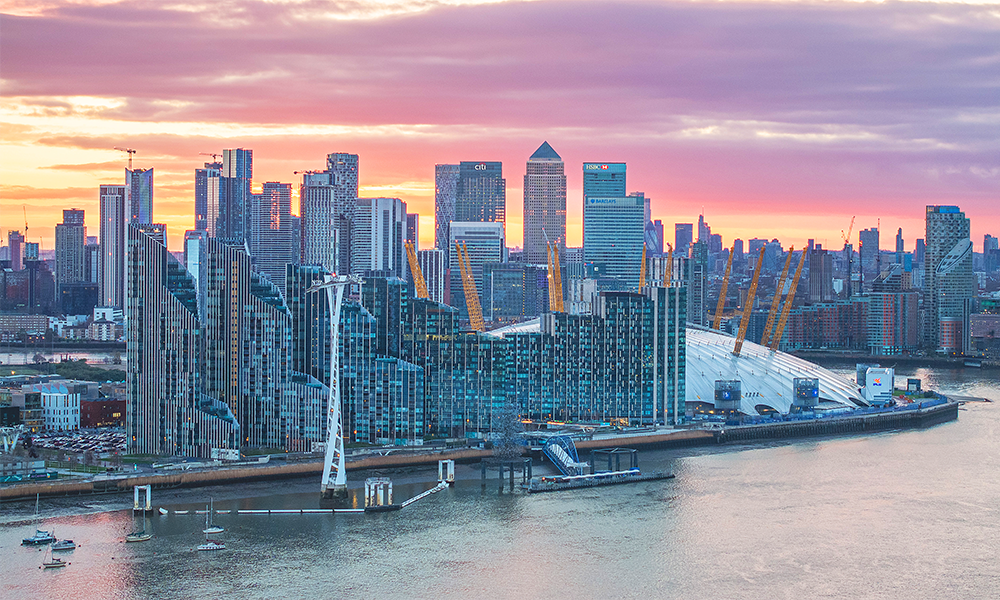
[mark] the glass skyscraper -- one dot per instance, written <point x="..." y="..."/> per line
<point x="948" y="277"/>
<point x="544" y="204"/>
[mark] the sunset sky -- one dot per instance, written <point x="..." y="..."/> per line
<point x="777" y="119"/>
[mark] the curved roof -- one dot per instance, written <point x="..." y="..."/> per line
<point x="766" y="376"/>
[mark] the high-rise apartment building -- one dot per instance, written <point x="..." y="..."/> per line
<point x="948" y="277"/>
<point x="166" y="412"/>
<point x="413" y="229"/>
<point x="15" y="242"/>
<point x="232" y="222"/>
<point x="271" y="240"/>
<point x="139" y="195"/>
<point x="544" y="204"/>
<point x="206" y="196"/>
<point x="114" y="217"/>
<point x="820" y="275"/>
<point x="432" y="265"/>
<point x="445" y="196"/>
<point x="613" y="234"/>
<point x="683" y="237"/>
<point x="92" y="261"/>
<point x="328" y="202"/>
<point x="377" y="238"/>
<point x="482" y="192"/>
<point x="868" y="253"/>
<point x="71" y="237"/>
<point x="900" y="247"/>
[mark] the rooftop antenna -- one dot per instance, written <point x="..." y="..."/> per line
<point x="130" y="153"/>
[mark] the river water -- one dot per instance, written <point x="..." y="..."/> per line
<point x="907" y="514"/>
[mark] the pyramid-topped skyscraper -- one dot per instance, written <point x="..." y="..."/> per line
<point x="544" y="203"/>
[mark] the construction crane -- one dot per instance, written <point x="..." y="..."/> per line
<point x="24" y="211"/>
<point x="669" y="267"/>
<point x="850" y="255"/>
<point x="130" y="153"/>
<point x="556" y="303"/>
<point x="748" y="306"/>
<point x="642" y="269"/>
<point x="725" y="289"/>
<point x="780" y="331"/>
<point x="214" y="155"/>
<point x="469" y="286"/>
<point x="776" y="301"/>
<point x="552" y="283"/>
<point x="419" y="284"/>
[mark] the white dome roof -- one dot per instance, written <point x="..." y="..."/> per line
<point x="766" y="376"/>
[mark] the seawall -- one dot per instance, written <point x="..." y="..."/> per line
<point x="849" y="425"/>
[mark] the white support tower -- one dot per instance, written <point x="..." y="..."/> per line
<point x="9" y="437"/>
<point x="142" y="498"/>
<point x="334" y="482"/>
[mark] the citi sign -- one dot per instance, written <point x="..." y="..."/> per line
<point x="481" y="167"/>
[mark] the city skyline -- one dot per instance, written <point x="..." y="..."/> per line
<point x="764" y="150"/>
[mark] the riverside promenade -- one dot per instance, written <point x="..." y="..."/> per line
<point x="855" y="423"/>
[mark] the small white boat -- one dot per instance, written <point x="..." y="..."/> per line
<point x="209" y="527"/>
<point x="211" y="545"/>
<point x="64" y="545"/>
<point x="138" y="536"/>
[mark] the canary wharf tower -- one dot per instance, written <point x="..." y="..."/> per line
<point x="544" y="203"/>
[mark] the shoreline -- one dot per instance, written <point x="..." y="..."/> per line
<point x="852" y="425"/>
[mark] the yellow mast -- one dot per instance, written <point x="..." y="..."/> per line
<point x="780" y="331"/>
<point x="419" y="284"/>
<point x="469" y="286"/>
<point x="748" y="305"/>
<point x="776" y="301"/>
<point x="724" y="290"/>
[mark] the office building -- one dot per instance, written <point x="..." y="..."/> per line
<point x="514" y="291"/>
<point x="605" y="180"/>
<point x="139" y="195"/>
<point x="113" y="230"/>
<point x="445" y="196"/>
<point x="696" y="275"/>
<point x="271" y="242"/>
<point x="482" y="192"/>
<point x="544" y="204"/>
<point x="654" y="238"/>
<point x="328" y="201"/>
<point x="413" y="229"/>
<point x="868" y="254"/>
<point x="683" y="234"/>
<point x="613" y="234"/>
<point x="377" y="238"/>
<point x="900" y="248"/>
<point x="71" y="237"/>
<point x="484" y="242"/>
<point x="948" y="277"/>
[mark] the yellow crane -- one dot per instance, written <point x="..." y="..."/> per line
<point x="724" y="290"/>
<point x="778" y="291"/>
<point x="669" y="266"/>
<point x="419" y="284"/>
<point x="642" y="269"/>
<point x="780" y="331"/>
<point x="748" y="305"/>
<point x="469" y="286"/>
<point x="556" y="303"/>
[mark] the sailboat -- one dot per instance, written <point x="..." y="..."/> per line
<point x="40" y="537"/>
<point x="209" y="515"/>
<point x="52" y="562"/>
<point x="138" y="535"/>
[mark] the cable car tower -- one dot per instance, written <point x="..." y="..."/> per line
<point x="334" y="483"/>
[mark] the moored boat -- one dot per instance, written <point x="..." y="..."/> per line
<point x="63" y="545"/>
<point x="40" y="537"/>
<point x="139" y="536"/>
<point x="211" y="545"/>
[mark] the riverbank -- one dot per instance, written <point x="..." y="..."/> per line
<point x="855" y="424"/>
<point x="847" y="359"/>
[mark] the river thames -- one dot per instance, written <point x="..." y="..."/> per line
<point x="905" y="514"/>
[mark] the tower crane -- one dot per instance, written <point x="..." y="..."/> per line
<point x="776" y="301"/>
<point x="469" y="286"/>
<point x="748" y="306"/>
<point x="642" y="269"/>
<point x="780" y="331"/>
<point x="670" y="263"/>
<point x="419" y="284"/>
<point x="850" y="256"/>
<point x="214" y="155"/>
<point x="130" y="153"/>
<point x="725" y="288"/>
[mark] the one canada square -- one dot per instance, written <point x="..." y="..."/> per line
<point x="544" y="203"/>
